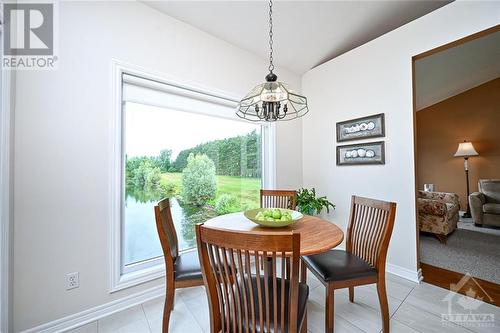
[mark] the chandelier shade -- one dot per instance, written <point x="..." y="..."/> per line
<point x="271" y="100"/>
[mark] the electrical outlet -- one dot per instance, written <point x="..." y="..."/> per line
<point x="72" y="280"/>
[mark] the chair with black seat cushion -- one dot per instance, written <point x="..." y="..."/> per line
<point x="182" y="270"/>
<point x="286" y="199"/>
<point x="243" y="297"/>
<point x="368" y="234"/>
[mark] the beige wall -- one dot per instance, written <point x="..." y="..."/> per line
<point x="474" y="116"/>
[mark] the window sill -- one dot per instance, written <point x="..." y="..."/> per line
<point x="152" y="270"/>
<point x="138" y="277"/>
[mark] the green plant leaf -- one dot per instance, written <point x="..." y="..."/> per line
<point x="307" y="202"/>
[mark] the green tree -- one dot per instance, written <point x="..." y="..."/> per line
<point x="163" y="160"/>
<point x="226" y="204"/>
<point x="141" y="173"/>
<point x="131" y="166"/>
<point x="236" y="156"/>
<point x="198" y="180"/>
<point x="146" y="176"/>
<point x="181" y="160"/>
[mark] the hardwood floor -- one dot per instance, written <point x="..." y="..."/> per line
<point x="488" y="291"/>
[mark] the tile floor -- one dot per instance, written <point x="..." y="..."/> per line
<point x="413" y="308"/>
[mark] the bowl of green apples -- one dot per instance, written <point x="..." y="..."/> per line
<point x="273" y="217"/>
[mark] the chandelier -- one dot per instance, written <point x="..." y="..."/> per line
<point x="272" y="100"/>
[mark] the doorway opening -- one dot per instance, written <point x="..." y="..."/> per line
<point x="456" y="108"/>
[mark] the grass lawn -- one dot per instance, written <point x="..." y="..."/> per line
<point x="245" y="188"/>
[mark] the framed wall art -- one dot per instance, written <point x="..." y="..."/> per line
<point x="361" y="153"/>
<point x="361" y="128"/>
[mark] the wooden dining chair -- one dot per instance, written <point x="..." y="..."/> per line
<point x="370" y="227"/>
<point x="244" y="298"/>
<point x="181" y="270"/>
<point x="286" y="199"/>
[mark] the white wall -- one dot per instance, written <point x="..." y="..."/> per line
<point x="7" y="90"/>
<point x="62" y="140"/>
<point x="62" y="135"/>
<point x="374" y="78"/>
<point x="289" y="154"/>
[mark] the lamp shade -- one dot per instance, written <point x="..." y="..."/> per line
<point x="465" y="149"/>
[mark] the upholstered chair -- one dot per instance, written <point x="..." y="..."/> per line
<point x="438" y="213"/>
<point x="182" y="270"/>
<point x="363" y="261"/>
<point x="485" y="204"/>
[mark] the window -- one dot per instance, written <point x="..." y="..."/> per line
<point x="188" y="146"/>
<point x="205" y="165"/>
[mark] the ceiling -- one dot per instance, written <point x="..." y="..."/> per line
<point x="306" y="33"/>
<point x="453" y="71"/>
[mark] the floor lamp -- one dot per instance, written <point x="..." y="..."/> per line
<point x="466" y="150"/>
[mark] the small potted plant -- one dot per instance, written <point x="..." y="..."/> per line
<point x="309" y="204"/>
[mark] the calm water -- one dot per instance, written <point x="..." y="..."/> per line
<point x="141" y="237"/>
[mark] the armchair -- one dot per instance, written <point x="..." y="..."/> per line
<point x="485" y="204"/>
<point x="438" y="213"/>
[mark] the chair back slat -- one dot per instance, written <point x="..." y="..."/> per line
<point x="282" y="301"/>
<point x="286" y="199"/>
<point x="370" y="227"/>
<point x="259" y="290"/>
<point x="248" y="273"/>
<point x="245" y="296"/>
<point x="166" y="230"/>
<point x="244" y="290"/>
<point x="275" y="292"/>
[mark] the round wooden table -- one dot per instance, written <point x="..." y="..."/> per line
<point x="316" y="235"/>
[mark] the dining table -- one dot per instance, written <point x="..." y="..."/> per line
<point x="316" y="234"/>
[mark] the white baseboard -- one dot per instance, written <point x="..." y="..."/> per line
<point x="405" y="273"/>
<point x="100" y="311"/>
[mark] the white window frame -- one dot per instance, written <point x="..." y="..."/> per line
<point x="7" y="80"/>
<point x="154" y="268"/>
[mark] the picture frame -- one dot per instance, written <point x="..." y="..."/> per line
<point x="361" y="128"/>
<point x="361" y="153"/>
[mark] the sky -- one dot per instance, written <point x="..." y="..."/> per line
<point x="150" y="129"/>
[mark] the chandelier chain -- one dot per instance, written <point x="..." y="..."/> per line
<point x="271" y="65"/>
<point x="271" y="101"/>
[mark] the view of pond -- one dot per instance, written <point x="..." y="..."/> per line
<point x="141" y="237"/>
<point x="207" y="165"/>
